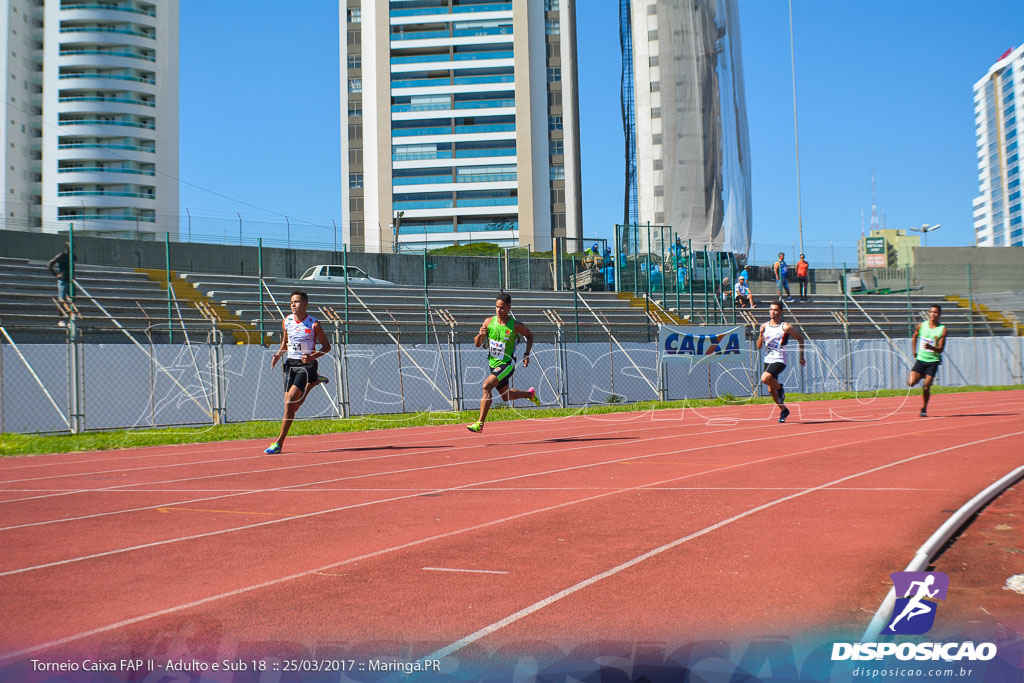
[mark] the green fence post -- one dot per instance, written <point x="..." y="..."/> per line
<point x="576" y="296"/>
<point x="167" y="273"/>
<point x="344" y="263"/>
<point x="259" y="284"/>
<point x="529" y="272"/>
<point x="970" y="300"/>
<point x="846" y="294"/>
<point x="71" y="262"/>
<point x="689" y="273"/>
<point x="705" y="284"/>
<point x="910" y="308"/>
<point x="675" y="269"/>
<point x="426" y="301"/>
<point x="635" y="228"/>
<point x="732" y="283"/>
<point x="617" y="265"/>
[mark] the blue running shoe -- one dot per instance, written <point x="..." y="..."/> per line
<point x="274" y="449"/>
<point x="320" y="379"/>
<point x="783" y="415"/>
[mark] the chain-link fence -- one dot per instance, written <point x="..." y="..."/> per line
<point x="77" y="386"/>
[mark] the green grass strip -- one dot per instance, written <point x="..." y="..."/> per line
<point x="27" y="444"/>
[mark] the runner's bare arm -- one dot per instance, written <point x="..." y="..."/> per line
<point x="760" y="336"/>
<point x="283" y="349"/>
<point x="795" y="334"/>
<point x="913" y="341"/>
<point x="524" y="331"/>
<point x="940" y="344"/>
<point x="482" y="334"/>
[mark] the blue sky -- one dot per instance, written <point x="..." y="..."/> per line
<point x="881" y="84"/>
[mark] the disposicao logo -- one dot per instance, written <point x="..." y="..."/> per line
<point x="917" y="599"/>
<point x="914" y="613"/>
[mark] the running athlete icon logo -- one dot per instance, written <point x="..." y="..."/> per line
<point x="914" y="612"/>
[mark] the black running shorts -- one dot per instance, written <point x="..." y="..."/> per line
<point x="299" y="374"/>
<point x="925" y="368"/>
<point x="504" y="373"/>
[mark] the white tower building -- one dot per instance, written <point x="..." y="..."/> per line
<point x="998" y="106"/>
<point x="463" y="116"/>
<point x="92" y="116"/>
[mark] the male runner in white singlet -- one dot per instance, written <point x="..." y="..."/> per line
<point x="773" y="337"/>
<point x="301" y="334"/>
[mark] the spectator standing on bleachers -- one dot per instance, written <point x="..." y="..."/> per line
<point x="781" y="271"/>
<point x="60" y="266"/>
<point x="501" y="332"/>
<point x="928" y="342"/>
<point x="802" y="271"/>
<point x="300" y="334"/>
<point x="743" y="291"/>
<point x="773" y="337"/>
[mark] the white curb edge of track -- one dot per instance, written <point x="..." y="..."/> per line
<point x="924" y="554"/>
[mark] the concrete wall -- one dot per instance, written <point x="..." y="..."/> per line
<point x="939" y="269"/>
<point x="403" y="269"/>
<point x="993" y="269"/>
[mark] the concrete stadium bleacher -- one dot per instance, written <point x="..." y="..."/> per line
<point x="401" y="309"/>
<point x="137" y="303"/>
<point x="881" y="313"/>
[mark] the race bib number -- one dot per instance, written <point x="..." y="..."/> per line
<point x="922" y="341"/>
<point x="496" y="349"/>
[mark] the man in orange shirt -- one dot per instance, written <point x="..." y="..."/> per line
<point x="802" y="270"/>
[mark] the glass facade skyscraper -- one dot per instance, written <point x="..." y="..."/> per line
<point x="998" y="104"/>
<point x="462" y="123"/>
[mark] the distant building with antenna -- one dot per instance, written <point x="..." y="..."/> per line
<point x="998" y="106"/>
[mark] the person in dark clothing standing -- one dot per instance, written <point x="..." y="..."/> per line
<point x="60" y="267"/>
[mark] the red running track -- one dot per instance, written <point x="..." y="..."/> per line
<point x="664" y="526"/>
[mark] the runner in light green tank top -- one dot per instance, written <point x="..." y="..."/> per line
<point x="501" y="332"/>
<point x="501" y="336"/>
<point x="929" y="341"/>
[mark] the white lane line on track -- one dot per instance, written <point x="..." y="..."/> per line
<point x="418" y="469"/>
<point x="556" y="448"/>
<point x="403" y="432"/>
<point x="448" y="534"/>
<point x="299" y="466"/>
<point x="471" y="571"/>
<point x="511" y="427"/>
<point x="309" y="465"/>
<point x="551" y="599"/>
<point x="472" y="443"/>
<point x="373" y="438"/>
<point x="481" y="488"/>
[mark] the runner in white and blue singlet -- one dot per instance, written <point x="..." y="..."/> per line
<point x="773" y="337"/>
<point x="301" y="333"/>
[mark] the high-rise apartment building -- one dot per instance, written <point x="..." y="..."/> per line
<point x="462" y="123"/>
<point x="684" y="114"/>
<point x="90" y="135"/>
<point x="998" y="104"/>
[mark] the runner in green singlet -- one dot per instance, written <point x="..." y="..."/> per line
<point x="929" y="341"/>
<point x="501" y="332"/>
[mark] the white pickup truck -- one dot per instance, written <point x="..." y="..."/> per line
<point x="337" y="274"/>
